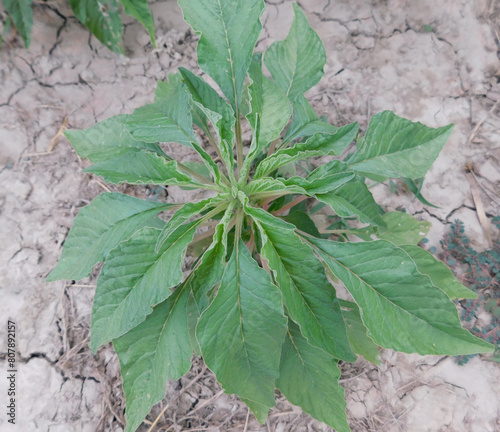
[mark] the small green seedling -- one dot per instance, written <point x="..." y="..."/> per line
<point x="258" y="303"/>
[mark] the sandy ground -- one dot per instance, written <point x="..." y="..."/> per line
<point x="432" y="61"/>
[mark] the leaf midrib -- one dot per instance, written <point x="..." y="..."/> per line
<point x="149" y="269"/>
<point x="99" y="238"/>
<point x="383" y="296"/>
<point x="158" y="105"/>
<point x="300" y="292"/>
<point x="154" y="353"/>
<point x="397" y="152"/>
<point x="233" y="77"/>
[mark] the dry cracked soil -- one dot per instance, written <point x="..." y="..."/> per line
<point x="428" y="60"/>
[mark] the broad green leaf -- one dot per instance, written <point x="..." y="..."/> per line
<point x="228" y="33"/>
<point x="296" y="64"/>
<point x="308" y="296"/>
<point x="402" y="228"/>
<point x="98" y="228"/>
<point x="266" y="187"/>
<point x="309" y="378"/>
<point x="354" y="199"/>
<point x="214" y="108"/>
<point x="134" y="278"/>
<point x="186" y="212"/>
<point x="402" y="309"/>
<point x="193" y="315"/>
<point x="21" y="14"/>
<point x="320" y="185"/>
<point x="207" y="275"/>
<point x="157" y="350"/>
<point x="106" y="140"/>
<point x="269" y="102"/>
<point x="440" y="275"/>
<point x="323" y="179"/>
<point x="357" y="333"/>
<point x="396" y="147"/>
<point x="103" y="19"/>
<point x="241" y="332"/>
<point x="320" y="144"/>
<point x="260" y="411"/>
<point x="302" y="115"/>
<point x="168" y="119"/>
<point x="310" y="129"/>
<point x="331" y="142"/>
<point x="139" y="9"/>
<point x="141" y="167"/>
<point x="303" y="222"/>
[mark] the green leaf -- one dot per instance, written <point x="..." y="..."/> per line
<point x="134" y="278"/>
<point x="214" y="108"/>
<point x="139" y="9"/>
<point x="260" y="411"/>
<point x="242" y="330"/>
<point x="212" y="167"/>
<point x="303" y="222"/>
<point x="357" y="333"/>
<point x="402" y="309"/>
<point x="354" y="199"/>
<point x="186" y="212"/>
<point x="199" y="168"/>
<point x="416" y="190"/>
<point x="106" y="140"/>
<point x="168" y="119"/>
<point x="323" y="179"/>
<point x="98" y="228"/>
<point x="403" y="228"/>
<point x="103" y="19"/>
<point x="270" y="187"/>
<point x="308" y="296"/>
<point x="157" y="350"/>
<point x="296" y="64"/>
<point x="207" y="275"/>
<point x="320" y="144"/>
<point x="440" y="275"/>
<point x="309" y="378"/>
<point x="310" y="129"/>
<point x="141" y="167"/>
<point x="396" y="147"/>
<point x="21" y="14"/>
<point x="228" y="33"/>
<point x="303" y="115"/>
<point x="268" y="102"/>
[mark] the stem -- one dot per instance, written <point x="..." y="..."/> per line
<point x="203" y="236"/>
<point x="290" y="205"/>
<point x="272" y="147"/>
<point x="325" y="231"/>
<point x="266" y="201"/>
<point x="194" y="174"/>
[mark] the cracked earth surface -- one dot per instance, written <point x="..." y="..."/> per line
<point x="435" y="62"/>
